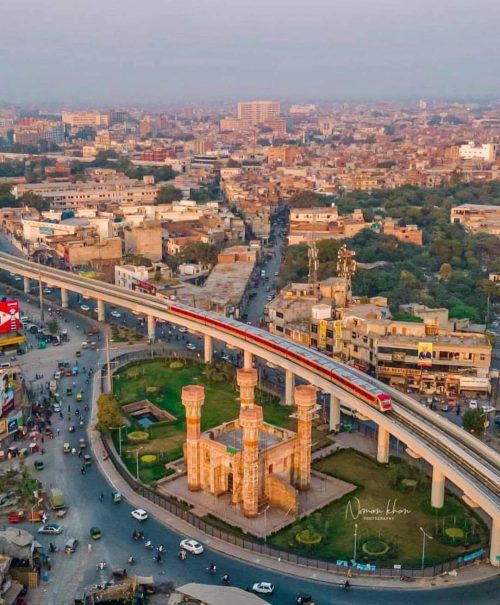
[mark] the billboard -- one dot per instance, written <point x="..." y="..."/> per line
<point x="322" y="334"/>
<point x="337" y="325"/>
<point x="6" y="393"/>
<point x="10" y="320"/>
<point x="424" y="354"/>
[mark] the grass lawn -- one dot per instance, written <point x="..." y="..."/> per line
<point x="336" y="525"/>
<point x="162" y="385"/>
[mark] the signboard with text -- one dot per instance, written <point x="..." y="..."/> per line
<point x="10" y="320"/>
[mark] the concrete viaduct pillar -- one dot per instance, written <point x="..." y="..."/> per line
<point x="208" y="348"/>
<point x="495" y="542"/>
<point x="383" y="445"/>
<point x="334" y="413"/>
<point x="64" y="298"/>
<point x="289" y="387"/>
<point x="101" y="316"/>
<point x="437" y="491"/>
<point x="247" y="360"/>
<point x="151" y="328"/>
<point x="26" y="283"/>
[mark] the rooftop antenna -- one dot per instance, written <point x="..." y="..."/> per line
<point x="346" y="267"/>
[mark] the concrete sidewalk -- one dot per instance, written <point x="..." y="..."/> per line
<point x="468" y="575"/>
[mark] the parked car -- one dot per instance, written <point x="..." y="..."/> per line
<point x="95" y="533"/>
<point x="190" y="346"/>
<point x="192" y="546"/>
<point x="115" y="314"/>
<point x="84" y="307"/>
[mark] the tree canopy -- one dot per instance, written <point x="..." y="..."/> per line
<point x="109" y="414"/>
<point x="168" y="194"/>
<point x="200" y="252"/>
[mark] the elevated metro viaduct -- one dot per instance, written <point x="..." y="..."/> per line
<point x="455" y="455"/>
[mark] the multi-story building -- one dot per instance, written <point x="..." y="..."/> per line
<point x="127" y="276"/>
<point x="85" y="118"/>
<point x="145" y="240"/>
<point x="14" y="405"/>
<point x="477" y="218"/>
<point x="32" y="132"/>
<point x="67" y="196"/>
<point x="486" y="152"/>
<point x="410" y="234"/>
<point x="258" y="112"/>
<point x="285" y="155"/>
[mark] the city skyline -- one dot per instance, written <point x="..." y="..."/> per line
<point x="160" y="52"/>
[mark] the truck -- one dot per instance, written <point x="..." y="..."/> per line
<point x="56" y="499"/>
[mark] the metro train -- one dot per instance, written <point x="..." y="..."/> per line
<point x="339" y="374"/>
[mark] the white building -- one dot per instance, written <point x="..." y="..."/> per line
<point x="485" y="152"/>
<point x="126" y="275"/>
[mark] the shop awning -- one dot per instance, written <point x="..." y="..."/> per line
<point x="470" y="383"/>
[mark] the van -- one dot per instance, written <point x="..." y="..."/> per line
<point x="70" y="546"/>
<point x="4" y="365"/>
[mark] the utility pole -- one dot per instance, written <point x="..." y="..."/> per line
<point x="108" y="365"/>
<point x="40" y="295"/>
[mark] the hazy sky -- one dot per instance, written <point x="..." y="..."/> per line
<point x="154" y="51"/>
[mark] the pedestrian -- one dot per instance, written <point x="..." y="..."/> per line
<point x="58" y="432"/>
<point x="349" y="573"/>
<point x="89" y="547"/>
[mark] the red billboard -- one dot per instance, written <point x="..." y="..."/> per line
<point x="10" y="320"/>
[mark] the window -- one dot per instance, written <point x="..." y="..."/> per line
<point x="279" y="314"/>
<point x="329" y="348"/>
<point x="482" y="357"/>
<point x="271" y="467"/>
<point x="279" y="328"/>
<point x="354" y="335"/>
<point x="314" y="329"/>
<point x="314" y="343"/>
<point x="329" y="333"/>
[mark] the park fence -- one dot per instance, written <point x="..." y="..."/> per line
<point x="181" y="511"/>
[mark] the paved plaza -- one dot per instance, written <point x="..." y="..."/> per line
<point x="324" y="489"/>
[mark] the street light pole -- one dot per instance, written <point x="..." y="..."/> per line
<point x="424" y="536"/>
<point x="108" y="365"/>
<point x="40" y="295"/>
<point x="355" y="541"/>
<point x="137" y="462"/>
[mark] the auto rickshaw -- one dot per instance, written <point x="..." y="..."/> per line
<point x="87" y="460"/>
<point x="78" y="354"/>
<point x="95" y="533"/>
<point x="66" y="448"/>
<point x="79" y="396"/>
<point x="71" y="428"/>
<point x="38" y="465"/>
<point x="82" y="443"/>
<point x="117" y="497"/>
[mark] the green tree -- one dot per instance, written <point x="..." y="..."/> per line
<point x="168" y="194"/>
<point x="474" y="421"/>
<point x="53" y="326"/>
<point x="308" y="199"/>
<point x="109" y="414"/>
<point x="445" y="271"/>
<point x="32" y="200"/>
<point x="7" y="200"/>
<point x="200" y="252"/>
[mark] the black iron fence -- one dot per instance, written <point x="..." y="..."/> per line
<point x="181" y="511"/>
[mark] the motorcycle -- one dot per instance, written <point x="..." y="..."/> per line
<point x="226" y="580"/>
<point x="212" y="570"/>
<point x="101" y="565"/>
<point x="182" y="555"/>
<point x="131" y="560"/>
<point x="137" y="535"/>
<point x="148" y="544"/>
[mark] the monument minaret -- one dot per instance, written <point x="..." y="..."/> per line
<point x="251" y="418"/>
<point x="247" y="380"/>
<point x="305" y="400"/>
<point x="193" y="398"/>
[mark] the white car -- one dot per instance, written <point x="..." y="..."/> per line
<point x="115" y="314"/>
<point x="84" y="307"/>
<point x="139" y="514"/>
<point x="191" y="346"/>
<point x="47" y="291"/>
<point x="473" y="404"/>
<point x="263" y="587"/>
<point x="192" y="546"/>
<point x="182" y="329"/>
